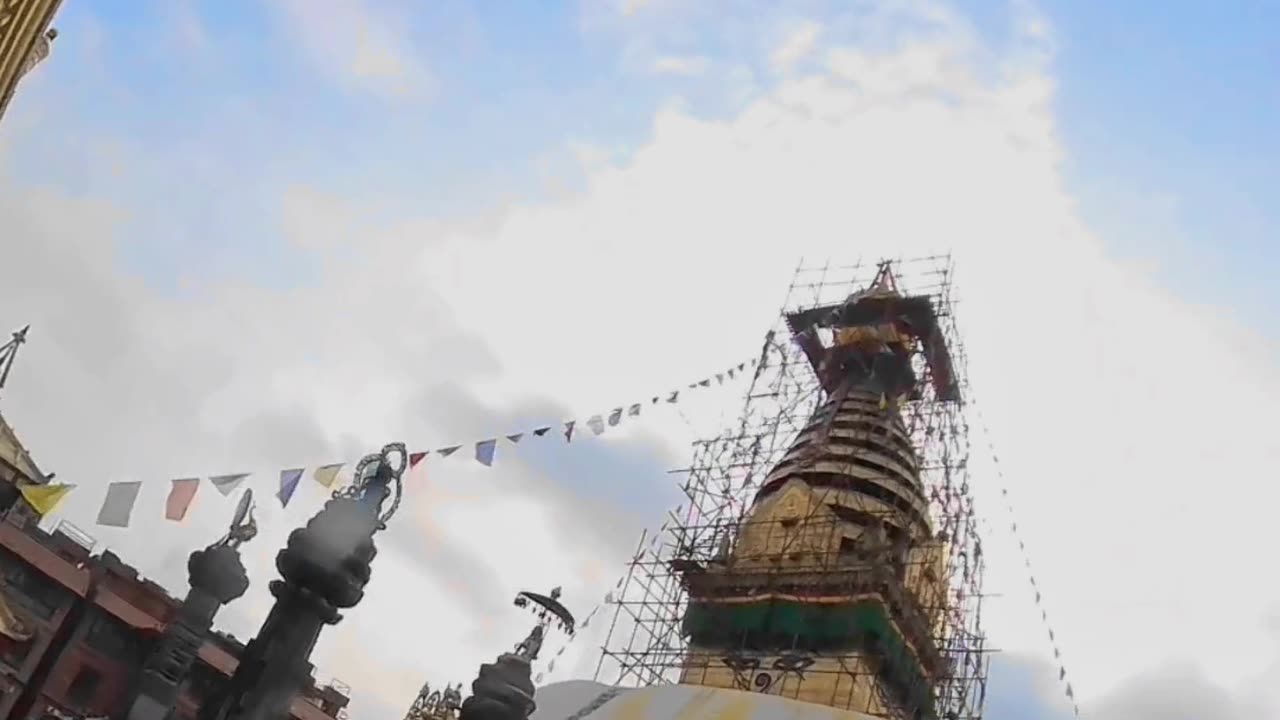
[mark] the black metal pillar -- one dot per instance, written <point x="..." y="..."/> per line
<point x="324" y="568"/>
<point x="217" y="577"/>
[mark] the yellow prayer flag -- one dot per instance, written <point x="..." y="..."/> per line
<point x="327" y="474"/>
<point x="44" y="498"/>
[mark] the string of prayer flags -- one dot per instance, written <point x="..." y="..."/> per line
<point x="1026" y="561"/>
<point x="485" y="450"/>
<point x="181" y="493"/>
<point x="288" y="485"/>
<point x="327" y="475"/>
<point x="118" y="505"/>
<point x="44" y="499"/>
<point x="227" y="484"/>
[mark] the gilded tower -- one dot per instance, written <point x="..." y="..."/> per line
<point x="25" y="40"/>
<point x="831" y="589"/>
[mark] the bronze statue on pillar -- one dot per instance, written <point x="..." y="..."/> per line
<point x="324" y="568"/>
<point x="504" y="689"/>
<point x="217" y="576"/>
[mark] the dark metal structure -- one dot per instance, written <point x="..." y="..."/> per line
<point x="324" y="568"/>
<point x="217" y="576"/>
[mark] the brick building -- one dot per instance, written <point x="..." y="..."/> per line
<point x="75" y="626"/>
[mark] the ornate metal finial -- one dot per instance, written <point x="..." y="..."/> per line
<point x="548" y="610"/>
<point x="243" y="527"/>
<point x="9" y="351"/>
<point x="376" y="477"/>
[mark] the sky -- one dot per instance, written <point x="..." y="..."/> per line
<point x="258" y="237"/>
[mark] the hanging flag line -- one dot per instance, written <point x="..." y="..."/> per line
<point x="117" y="506"/>
<point x="609" y="597"/>
<point x="1026" y="561"/>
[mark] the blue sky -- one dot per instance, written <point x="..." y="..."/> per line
<point x="1179" y="100"/>
<point x="197" y="119"/>
<point x="1167" y="110"/>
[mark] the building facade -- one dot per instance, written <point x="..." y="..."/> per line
<point x="75" y="626"/>
<point x="24" y="40"/>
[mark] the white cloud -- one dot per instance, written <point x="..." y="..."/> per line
<point x="1117" y="408"/>
<point x="797" y="44"/>
<point x="689" y="65"/>
<point x="381" y="60"/>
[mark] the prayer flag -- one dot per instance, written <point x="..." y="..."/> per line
<point x="327" y="474"/>
<point x="288" y="484"/>
<point x="596" y="423"/>
<point x="615" y="417"/>
<point x="44" y="498"/>
<point x="634" y="410"/>
<point x="515" y="438"/>
<point x="485" y="450"/>
<point x="415" y="458"/>
<point x="568" y="430"/>
<point x="117" y="507"/>
<point x="446" y="452"/>
<point x="227" y="484"/>
<point x="181" y="493"/>
<point x="542" y="431"/>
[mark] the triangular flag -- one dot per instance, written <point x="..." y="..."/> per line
<point x="1062" y="673"/>
<point x="415" y="458"/>
<point x="446" y="452"/>
<point x="484" y="451"/>
<point x="655" y="400"/>
<point x="742" y="366"/>
<point x="596" y="423"/>
<point x="615" y="417"/>
<point x="327" y="474"/>
<point x="515" y="438"/>
<point x="731" y="372"/>
<point x="118" y="505"/>
<point x="44" y="498"/>
<point x="568" y="430"/>
<point x="705" y="383"/>
<point x="227" y="484"/>
<point x="674" y="396"/>
<point x="288" y="484"/>
<point x="180" y="496"/>
<point x="542" y="430"/>
<point x="719" y="378"/>
<point x="634" y="410"/>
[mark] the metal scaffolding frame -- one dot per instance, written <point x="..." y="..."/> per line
<point x="645" y="644"/>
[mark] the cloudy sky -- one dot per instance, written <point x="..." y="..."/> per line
<point x="251" y="238"/>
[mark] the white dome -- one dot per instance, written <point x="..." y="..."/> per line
<point x="574" y="700"/>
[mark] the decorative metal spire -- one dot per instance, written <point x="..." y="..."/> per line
<point x="548" y="610"/>
<point x="9" y="351"/>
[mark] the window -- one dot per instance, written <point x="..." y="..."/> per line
<point x="83" y="688"/>
<point x="111" y="637"/>
<point x="30" y="587"/>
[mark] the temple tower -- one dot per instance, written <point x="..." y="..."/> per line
<point x="836" y="566"/>
<point x="25" y="38"/>
<point x="828" y="556"/>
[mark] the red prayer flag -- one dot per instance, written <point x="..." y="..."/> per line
<point x="180" y="497"/>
